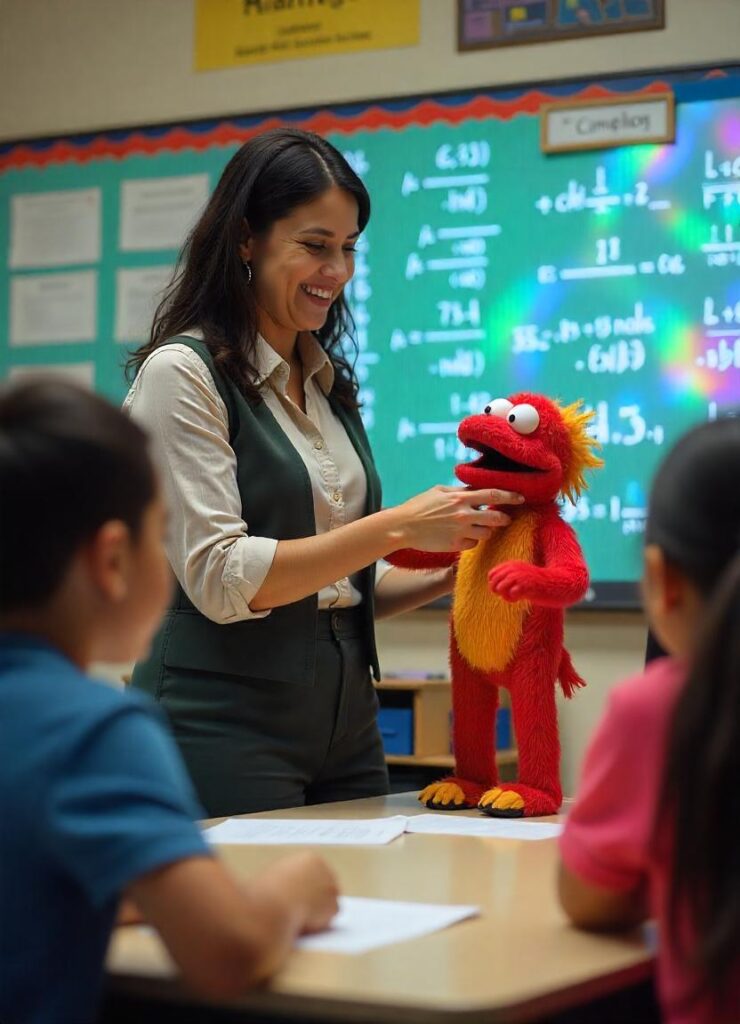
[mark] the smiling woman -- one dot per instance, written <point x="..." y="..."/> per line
<point x="263" y="663"/>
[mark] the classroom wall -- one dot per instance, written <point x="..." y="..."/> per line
<point x="71" y="65"/>
<point x="76" y="65"/>
<point x="606" y="647"/>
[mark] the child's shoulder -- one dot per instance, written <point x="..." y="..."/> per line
<point x="39" y="682"/>
<point x="56" y="722"/>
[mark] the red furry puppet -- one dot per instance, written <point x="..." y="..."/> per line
<point x="508" y="601"/>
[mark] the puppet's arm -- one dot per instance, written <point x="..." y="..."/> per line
<point x="562" y="580"/>
<point x="410" y="558"/>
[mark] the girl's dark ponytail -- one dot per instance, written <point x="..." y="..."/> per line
<point x="700" y="800"/>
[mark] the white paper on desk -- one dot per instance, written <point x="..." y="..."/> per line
<point x="158" y="213"/>
<point x="449" y="824"/>
<point x="363" y="924"/>
<point x="54" y="229"/>
<point x="309" y="831"/>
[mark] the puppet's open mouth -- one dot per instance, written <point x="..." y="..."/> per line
<point x="492" y="459"/>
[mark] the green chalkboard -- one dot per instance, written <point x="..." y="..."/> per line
<point x="487" y="267"/>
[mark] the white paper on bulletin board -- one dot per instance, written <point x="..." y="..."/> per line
<point x="138" y="292"/>
<point x="79" y="373"/>
<point x="55" y="229"/>
<point x="49" y="308"/>
<point x="158" y="213"/>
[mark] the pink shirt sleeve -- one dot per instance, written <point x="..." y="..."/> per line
<point x="608" y="833"/>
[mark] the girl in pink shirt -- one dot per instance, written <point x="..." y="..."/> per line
<point x="652" y="831"/>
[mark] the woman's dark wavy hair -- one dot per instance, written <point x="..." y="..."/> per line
<point x="267" y="178"/>
<point x="695" y="519"/>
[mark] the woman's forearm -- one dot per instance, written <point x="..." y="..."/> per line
<point x="304" y="566"/>
<point x="440" y="519"/>
<point x="403" y="591"/>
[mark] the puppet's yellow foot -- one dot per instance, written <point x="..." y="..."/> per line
<point x="517" y="800"/>
<point x="501" y="803"/>
<point x="446" y="796"/>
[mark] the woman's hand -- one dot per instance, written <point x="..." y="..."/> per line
<point x="443" y="519"/>
<point x="452" y="518"/>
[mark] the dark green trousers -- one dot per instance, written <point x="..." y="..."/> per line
<point x="255" y="744"/>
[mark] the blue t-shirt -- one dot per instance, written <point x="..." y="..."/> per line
<point x="92" y="796"/>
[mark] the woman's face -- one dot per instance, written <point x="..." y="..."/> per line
<point x="300" y="266"/>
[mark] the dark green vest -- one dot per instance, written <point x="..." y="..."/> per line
<point x="276" y="502"/>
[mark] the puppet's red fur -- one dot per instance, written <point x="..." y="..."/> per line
<point x="508" y="602"/>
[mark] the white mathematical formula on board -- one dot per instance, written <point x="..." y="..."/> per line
<point x="602" y="278"/>
<point x="598" y="197"/>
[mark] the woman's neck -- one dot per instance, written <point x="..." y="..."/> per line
<point x="287" y="349"/>
<point x="281" y="339"/>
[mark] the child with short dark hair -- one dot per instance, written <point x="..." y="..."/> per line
<point x="94" y="802"/>
<point x="653" y="828"/>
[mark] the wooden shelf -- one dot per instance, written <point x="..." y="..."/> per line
<point x="503" y="757"/>
<point x="396" y="683"/>
<point x="430" y="698"/>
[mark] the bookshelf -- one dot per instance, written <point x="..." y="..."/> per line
<point x="414" y="720"/>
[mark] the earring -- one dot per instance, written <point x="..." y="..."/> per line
<point x="249" y="272"/>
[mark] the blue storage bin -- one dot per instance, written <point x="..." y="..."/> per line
<point x="503" y="729"/>
<point x="397" y="729"/>
<point x="504" y="737"/>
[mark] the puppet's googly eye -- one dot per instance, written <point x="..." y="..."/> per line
<point x="523" y="418"/>
<point x="499" y="407"/>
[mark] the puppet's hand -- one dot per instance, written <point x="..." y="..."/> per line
<point x="516" y="581"/>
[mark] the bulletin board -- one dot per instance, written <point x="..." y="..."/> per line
<point x="488" y="266"/>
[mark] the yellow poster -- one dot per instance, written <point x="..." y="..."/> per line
<point x="229" y="33"/>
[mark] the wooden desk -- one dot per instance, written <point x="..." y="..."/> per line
<point x="519" y="961"/>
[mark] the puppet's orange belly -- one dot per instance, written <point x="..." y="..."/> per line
<point x="487" y="628"/>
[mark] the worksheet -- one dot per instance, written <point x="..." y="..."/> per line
<point x="448" y="823"/>
<point x="364" y="924"/>
<point x="50" y="308"/>
<point x="138" y="293"/>
<point x="55" y="228"/>
<point x="158" y="213"/>
<point x="324" y="832"/>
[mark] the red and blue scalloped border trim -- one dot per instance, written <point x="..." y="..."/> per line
<point x="346" y="119"/>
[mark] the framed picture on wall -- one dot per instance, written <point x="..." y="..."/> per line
<point x="489" y="23"/>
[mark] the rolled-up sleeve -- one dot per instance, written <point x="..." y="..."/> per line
<point x="219" y="565"/>
<point x="382" y="568"/>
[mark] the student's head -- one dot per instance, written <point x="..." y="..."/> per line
<point x="693" y="531"/>
<point x="692" y="590"/>
<point x="81" y="520"/>
<point x="272" y="252"/>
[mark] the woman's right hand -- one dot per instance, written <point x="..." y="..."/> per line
<point x="452" y="518"/>
<point x="442" y="519"/>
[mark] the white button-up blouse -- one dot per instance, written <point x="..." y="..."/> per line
<point x="218" y="563"/>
